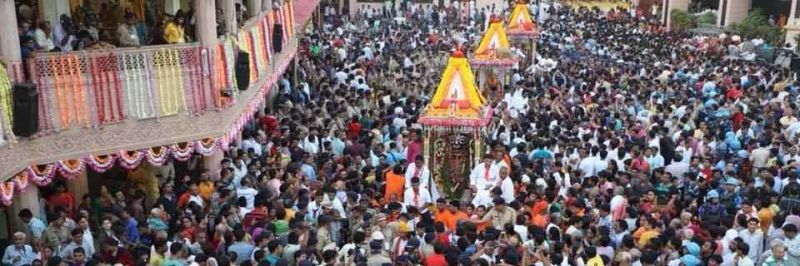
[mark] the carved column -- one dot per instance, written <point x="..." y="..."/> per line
<point x="28" y="199"/>
<point x="79" y="186"/>
<point x="9" y="40"/>
<point x="793" y="23"/>
<point x="253" y="7"/>
<point x="212" y="163"/>
<point x="668" y="6"/>
<point x="732" y="11"/>
<point x="229" y="12"/>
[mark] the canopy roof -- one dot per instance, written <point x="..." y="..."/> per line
<point x="520" y="23"/>
<point x="494" y="48"/>
<point x="456" y="101"/>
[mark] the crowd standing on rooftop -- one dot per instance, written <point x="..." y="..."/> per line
<point x="623" y="145"/>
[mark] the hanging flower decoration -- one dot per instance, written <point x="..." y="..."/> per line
<point x="206" y="146"/>
<point x="157" y="155"/>
<point x="41" y="174"/>
<point x="20" y="181"/>
<point x="70" y="169"/>
<point x="6" y="193"/>
<point x="182" y="151"/>
<point x="130" y="159"/>
<point x="101" y="163"/>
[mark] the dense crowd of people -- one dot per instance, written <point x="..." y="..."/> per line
<point x="109" y="27"/>
<point x="622" y="145"/>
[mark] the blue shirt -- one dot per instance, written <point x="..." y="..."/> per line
<point x="37" y="227"/>
<point x="309" y="172"/>
<point x="132" y="230"/>
<point x="243" y="251"/>
<point x="25" y="254"/>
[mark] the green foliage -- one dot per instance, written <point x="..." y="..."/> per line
<point x="707" y="18"/>
<point x="682" y="20"/>
<point x="756" y="25"/>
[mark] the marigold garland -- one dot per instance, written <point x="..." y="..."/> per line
<point x="41" y="175"/>
<point x="6" y="193"/>
<point x="70" y="169"/>
<point x="130" y="159"/>
<point x="206" y="146"/>
<point x="182" y="151"/>
<point x="6" y="109"/>
<point x="157" y="155"/>
<point x="101" y="163"/>
<point x="21" y="181"/>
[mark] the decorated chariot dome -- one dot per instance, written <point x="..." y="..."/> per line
<point x="521" y="24"/>
<point x="457" y="102"/>
<point x="494" y="50"/>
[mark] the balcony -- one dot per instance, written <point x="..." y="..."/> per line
<point x="110" y="102"/>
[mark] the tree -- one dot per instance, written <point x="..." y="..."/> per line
<point x="681" y="20"/>
<point x="707" y="18"/>
<point x="756" y="25"/>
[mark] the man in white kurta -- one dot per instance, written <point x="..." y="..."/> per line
<point x="419" y="170"/>
<point x="482" y="179"/>
<point x="506" y="185"/>
<point x="415" y="196"/>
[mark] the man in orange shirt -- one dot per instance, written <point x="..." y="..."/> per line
<point x="451" y="215"/>
<point x="395" y="183"/>
<point x="440" y="213"/>
<point x="205" y="186"/>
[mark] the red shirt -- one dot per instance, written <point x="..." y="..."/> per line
<point x="122" y="257"/>
<point x="353" y="130"/>
<point x="65" y="200"/>
<point x="435" y="260"/>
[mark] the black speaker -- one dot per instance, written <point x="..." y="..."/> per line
<point x="26" y="109"/>
<point x="277" y="38"/>
<point x="795" y="64"/>
<point x="242" y="69"/>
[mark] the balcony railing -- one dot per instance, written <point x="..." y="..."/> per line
<point x="93" y="88"/>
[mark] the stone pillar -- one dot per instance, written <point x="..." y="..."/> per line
<point x="212" y="163"/>
<point x="205" y="12"/>
<point x="172" y="6"/>
<point x="266" y="5"/>
<point x="229" y="13"/>
<point x="28" y="199"/>
<point x="253" y="7"/>
<point x="668" y="6"/>
<point x="51" y="10"/>
<point x="79" y="186"/>
<point x="9" y="40"/>
<point x="732" y="11"/>
<point x="793" y="23"/>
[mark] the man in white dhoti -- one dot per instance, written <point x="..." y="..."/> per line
<point x="482" y="179"/>
<point x="415" y="196"/>
<point x="419" y="170"/>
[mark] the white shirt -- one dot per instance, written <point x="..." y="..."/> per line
<point x="479" y="174"/>
<point x="590" y="166"/>
<point x="239" y="173"/>
<point x="197" y="199"/>
<point x="311" y="144"/>
<point x="507" y="186"/>
<point x="756" y="242"/>
<point x="249" y="194"/>
<point x="423" y="174"/>
<point x="417" y="199"/>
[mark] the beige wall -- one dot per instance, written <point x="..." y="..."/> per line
<point x="736" y="11"/>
